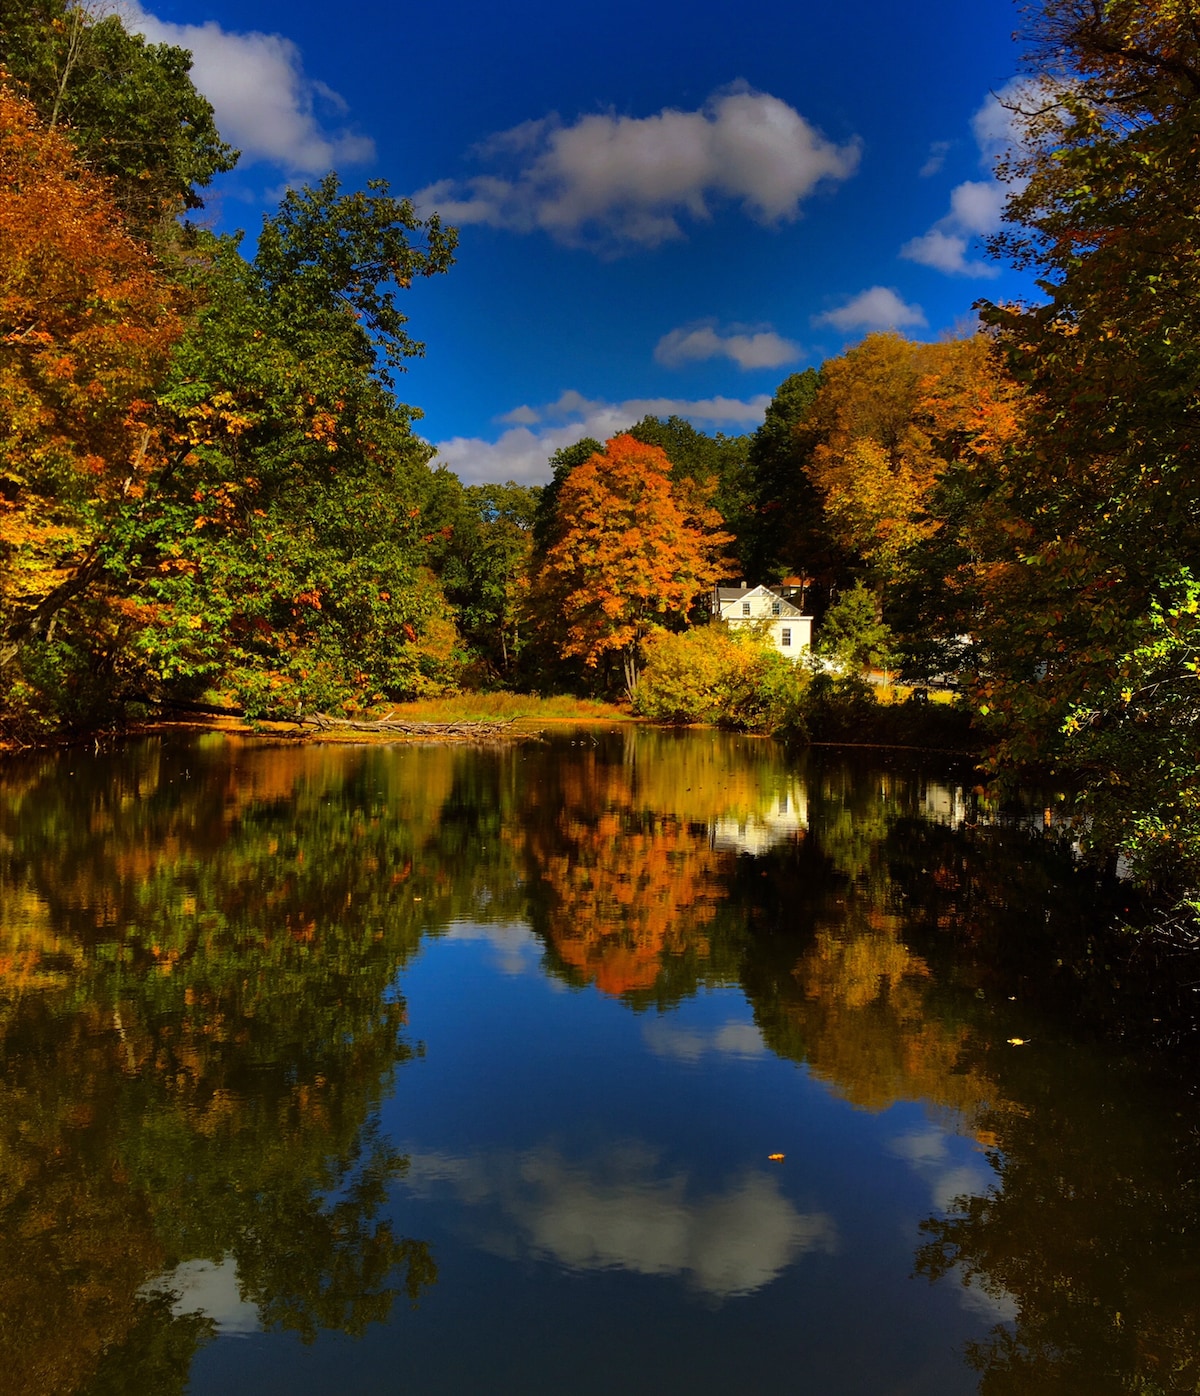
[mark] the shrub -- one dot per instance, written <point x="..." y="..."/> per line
<point x="728" y="678"/>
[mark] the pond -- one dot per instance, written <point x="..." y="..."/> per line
<point x="623" y="1060"/>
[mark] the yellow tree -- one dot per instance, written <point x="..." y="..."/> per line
<point x="628" y="557"/>
<point x="892" y="417"/>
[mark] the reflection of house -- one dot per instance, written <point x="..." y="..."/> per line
<point x="776" y="610"/>
<point x="784" y="818"/>
<point x="943" y="804"/>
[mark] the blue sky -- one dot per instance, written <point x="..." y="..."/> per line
<point x="663" y="206"/>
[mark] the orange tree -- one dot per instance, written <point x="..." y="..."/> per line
<point x="627" y="557"/>
<point x="86" y="326"/>
<point x="893" y="416"/>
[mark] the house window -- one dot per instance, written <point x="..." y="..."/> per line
<point x="774" y="608"/>
<point x="745" y="608"/>
<point x="785" y="638"/>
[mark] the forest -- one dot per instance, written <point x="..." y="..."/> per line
<point x="211" y="494"/>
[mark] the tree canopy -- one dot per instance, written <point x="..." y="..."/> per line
<point x="208" y="485"/>
<point x="1090" y="639"/>
<point x="128" y="106"/>
<point x="629" y="556"/>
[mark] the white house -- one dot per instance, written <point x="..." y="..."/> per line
<point x="776" y="610"/>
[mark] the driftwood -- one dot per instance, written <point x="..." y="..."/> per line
<point x="323" y="722"/>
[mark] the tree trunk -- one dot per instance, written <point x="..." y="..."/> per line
<point x="629" y="660"/>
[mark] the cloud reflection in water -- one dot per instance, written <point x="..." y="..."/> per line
<point x="621" y="1211"/>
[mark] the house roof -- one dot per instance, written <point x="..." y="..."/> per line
<point x="725" y="594"/>
<point x="736" y="593"/>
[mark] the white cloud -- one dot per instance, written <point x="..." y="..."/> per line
<point x="521" y="453"/>
<point x="208" y="1287"/>
<point x="615" y="182"/>
<point x="935" y="159"/>
<point x="514" y="949"/>
<point x="748" y="348"/>
<point x="877" y="308"/>
<point x="263" y="100"/>
<point x="946" y="252"/>
<point x="732" y="1039"/>
<point x="623" y="1210"/>
<point x="976" y="205"/>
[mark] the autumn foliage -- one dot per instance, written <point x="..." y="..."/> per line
<point x="207" y="488"/>
<point x="86" y="325"/>
<point x="892" y="417"/>
<point x="628" y="557"/>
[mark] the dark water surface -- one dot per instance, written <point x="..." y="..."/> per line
<point x="443" y="1070"/>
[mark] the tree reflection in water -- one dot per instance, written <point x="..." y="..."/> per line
<point x="199" y="952"/>
<point x="212" y="935"/>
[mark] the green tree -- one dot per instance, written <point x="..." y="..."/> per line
<point x="487" y="532"/>
<point x="288" y="560"/>
<point x="854" y="634"/>
<point x="129" y="107"/>
<point x="787" y="532"/>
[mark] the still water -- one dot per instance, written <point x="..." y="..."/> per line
<point x="624" y="1061"/>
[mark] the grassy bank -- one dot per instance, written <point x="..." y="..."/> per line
<point x="508" y="707"/>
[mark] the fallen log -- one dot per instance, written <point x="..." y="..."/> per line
<point x="484" y="727"/>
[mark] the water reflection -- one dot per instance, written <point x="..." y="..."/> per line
<point x="210" y="1289"/>
<point x="203" y="949"/>
<point x="195" y="1077"/>
<point x="626" y="1209"/>
<point x="732" y="1039"/>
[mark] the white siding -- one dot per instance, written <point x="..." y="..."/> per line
<point x="762" y="608"/>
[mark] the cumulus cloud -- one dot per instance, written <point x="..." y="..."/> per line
<point x="264" y="102"/>
<point x="732" y="1039"/>
<point x="623" y="1210"/>
<point x="515" y="950"/>
<point x="947" y="252"/>
<point x="877" y="308"/>
<point x="748" y="348"/>
<point x="521" y="453"/>
<point x="977" y="205"/>
<point x="616" y="182"/>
